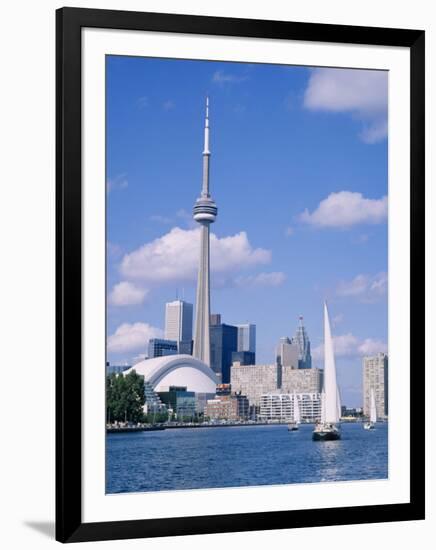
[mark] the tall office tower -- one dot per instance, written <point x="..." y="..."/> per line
<point x="247" y="338"/>
<point x="158" y="347"/>
<point x="287" y="353"/>
<point x="223" y="342"/>
<point x="205" y="212"/>
<point x="215" y="318"/>
<point x="302" y="340"/>
<point x="178" y="324"/>
<point x="375" y="376"/>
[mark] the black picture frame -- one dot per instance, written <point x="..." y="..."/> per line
<point x="69" y="23"/>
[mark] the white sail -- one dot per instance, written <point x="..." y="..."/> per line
<point x="373" y="409"/>
<point x="323" y="407"/>
<point x="338" y="402"/>
<point x="297" y="416"/>
<point x="330" y="385"/>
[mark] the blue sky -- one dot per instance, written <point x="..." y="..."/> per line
<point x="299" y="175"/>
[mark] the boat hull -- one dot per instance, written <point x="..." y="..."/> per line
<point x="327" y="433"/>
<point x="326" y="436"/>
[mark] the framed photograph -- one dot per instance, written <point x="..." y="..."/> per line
<point x="240" y="274"/>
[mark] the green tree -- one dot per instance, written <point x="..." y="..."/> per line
<point x="124" y="397"/>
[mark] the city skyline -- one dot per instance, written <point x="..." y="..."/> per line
<point x="260" y="259"/>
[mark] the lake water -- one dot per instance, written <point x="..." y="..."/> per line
<point x="193" y="458"/>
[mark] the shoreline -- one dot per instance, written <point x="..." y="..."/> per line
<point x="161" y="427"/>
<point x="127" y="429"/>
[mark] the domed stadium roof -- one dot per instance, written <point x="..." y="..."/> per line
<point x="177" y="370"/>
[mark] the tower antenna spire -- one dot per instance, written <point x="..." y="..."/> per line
<point x="206" y="153"/>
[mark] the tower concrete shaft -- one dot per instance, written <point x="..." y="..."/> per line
<point x="205" y="212"/>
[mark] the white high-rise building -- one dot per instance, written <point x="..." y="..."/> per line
<point x="375" y="377"/>
<point x="281" y="406"/>
<point x="178" y="324"/>
<point x="204" y="212"/>
<point x="247" y="337"/>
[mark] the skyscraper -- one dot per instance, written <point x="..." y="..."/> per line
<point x="302" y="340"/>
<point x="223" y="342"/>
<point x="375" y="376"/>
<point x="247" y="337"/>
<point x="158" y="347"/>
<point x="287" y="353"/>
<point x="178" y="324"/>
<point x="244" y="357"/>
<point x="204" y="213"/>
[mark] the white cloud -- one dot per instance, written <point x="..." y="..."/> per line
<point x="132" y="337"/>
<point x="365" y="288"/>
<point x="119" y="182"/>
<point x="371" y="347"/>
<point x="274" y="278"/>
<point x="374" y="132"/>
<point x="174" y="256"/>
<point x="289" y="231"/>
<point x="345" y="209"/>
<point x="348" y="345"/>
<point x="127" y="294"/>
<point x="363" y="93"/>
<point x="221" y="77"/>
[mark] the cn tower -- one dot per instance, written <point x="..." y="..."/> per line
<point x="205" y="212"/>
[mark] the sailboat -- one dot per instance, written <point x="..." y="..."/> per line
<point x="328" y="429"/>
<point x="372" y="414"/>
<point x="293" y="426"/>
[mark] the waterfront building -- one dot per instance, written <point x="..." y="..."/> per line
<point x="375" y="376"/>
<point x="301" y="339"/>
<point x="227" y="407"/>
<point x="158" y="347"/>
<point x="254" y="380"/>
<point x="244" y="357"/>
<point x="247" y="338"/>
<point x="116" y="369"/>
<point x="152" y="404"/>
<point x="287" y="353"/>
<point x="180" y="401"/>
<point x="178" y="325"/>
<point x="201" y="400"/>
<point x="223" y="342"/>
<point x="204" y="213"/>
<point x="280" y="406"/>
<point x="301" y="380"/>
